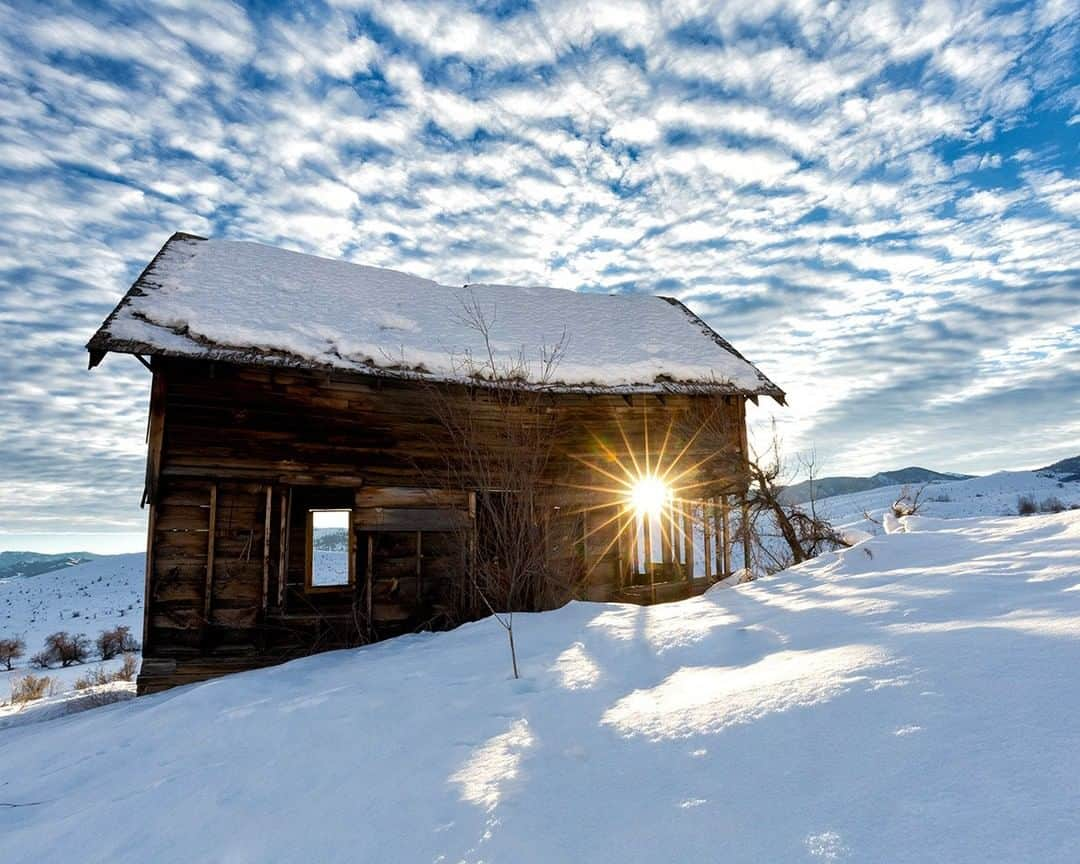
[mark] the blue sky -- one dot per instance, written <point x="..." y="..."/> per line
<point x="879" y="203"/>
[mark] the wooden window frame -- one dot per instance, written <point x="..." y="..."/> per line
<point x="309" y="559"/>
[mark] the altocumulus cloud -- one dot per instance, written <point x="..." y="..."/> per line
<point x="878" y="202"/>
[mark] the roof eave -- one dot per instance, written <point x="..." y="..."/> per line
<point x="768" y="388"/>
<point x="101" y="343"/>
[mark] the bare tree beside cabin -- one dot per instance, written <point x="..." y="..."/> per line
<point x="503" y="453"/>
<point x="783" y="533"/>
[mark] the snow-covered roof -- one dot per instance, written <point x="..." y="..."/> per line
<point x="248" y="303"/>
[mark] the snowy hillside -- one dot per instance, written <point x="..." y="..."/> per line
<point x="14" y="563"/>
<point x="993" y="495"/>
<point x="826" y="487"/>
<point x="86" y="598"/>
<point x="910" y="699"/>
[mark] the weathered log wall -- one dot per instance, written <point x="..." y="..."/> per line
<point x="238" y="455"/>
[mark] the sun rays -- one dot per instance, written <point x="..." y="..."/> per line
<point x="651" y="496"/>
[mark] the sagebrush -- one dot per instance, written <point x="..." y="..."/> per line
<point x="100" y="675"/>
<point x="29" y="688"/>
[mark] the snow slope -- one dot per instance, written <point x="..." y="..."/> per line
<point x="86" y="598"/>
<point x="910" y="699"/>
<point x="993" y="495"/>
<point x="17" y="563"/>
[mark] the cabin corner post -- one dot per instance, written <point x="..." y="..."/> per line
<point x="151" y="526"/>
<point x="155" y="434"/>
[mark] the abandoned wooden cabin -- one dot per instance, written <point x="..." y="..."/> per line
<point x="304" y="478"/>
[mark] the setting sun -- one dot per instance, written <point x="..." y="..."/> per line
<point x="649" y="495"/>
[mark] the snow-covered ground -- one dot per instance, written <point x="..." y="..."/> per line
<point x="910" y="699"/>
<point x="86" y="598"/>
<point x="993" y="495"/>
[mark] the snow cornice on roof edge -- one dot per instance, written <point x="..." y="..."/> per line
<point x="239" y="303"/>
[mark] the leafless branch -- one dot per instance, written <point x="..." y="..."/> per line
<point x="498" y="445"/>
<point x="804" y="531"/>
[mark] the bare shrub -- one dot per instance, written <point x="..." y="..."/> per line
<point x="93" y="678"/>
<point x="30" y="687"/>
<point x="67" y="649"/>
<point x="41" y="660"/>
<point x="1052" y="504"/>
<point x="99" y="675"/>
<point x="113" y="643"/>
<point x="908" y="503"/>
<point x="1026" y="505"/>
<point x="500" y="447"/>
<point x="127" y="671"/>
<point x="10" y="651"/>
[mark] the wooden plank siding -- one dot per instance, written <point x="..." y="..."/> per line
<point x="242" y="453"/>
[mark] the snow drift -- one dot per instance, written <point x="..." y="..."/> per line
<point x="910" y="699"/>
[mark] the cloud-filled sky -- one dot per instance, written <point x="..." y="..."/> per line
<point x="878" y="203"/>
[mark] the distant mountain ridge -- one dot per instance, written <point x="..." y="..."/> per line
<point x="826" y="487"/>
<point x="1064" y="470"/>
<point x="36" y="563"/>
<point x="1067" y="470"/>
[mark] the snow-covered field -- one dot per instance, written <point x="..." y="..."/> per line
<point x="86" y="598"/>
<point x="910" y="699"/>
<point x="993" y="495"/>
<point x="331" y="567"/>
